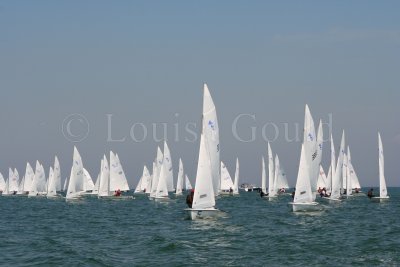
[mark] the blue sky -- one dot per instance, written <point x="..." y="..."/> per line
<point x="145" y="62"/>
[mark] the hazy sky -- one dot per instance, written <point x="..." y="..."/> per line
<point x="144" y="62"/>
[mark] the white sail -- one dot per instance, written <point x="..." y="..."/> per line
<point x="312" y="148"/>
<point x="277" y="168"/>
<point x="204" y="190"/>
<point x="263" y="178"/>
<point x="6" y="190"/>
<point x="76" y="179"/>
<point x="349" y="188"/>
<point x="117" y="176"/>
<point x="236" y="182"/>
<point x="338" y="173"/>
<point x="162" y="186"/>
<point x="382" y="181"/>
<point x="156" y="172"/>
<point x="179" y="183"/>
<point x="188" y="185"/>
<point x="211" y="136"/>
<point x="57" y="173"/>
<point x="39" y="181"/>
<point x="97" y="184"/>
<point x="105" y="181"/>
<point x="169" y="172"/>
<point x="21" y="186"/>
<point x="303" y="192"/>
<point x="318" y="158"/>
<point x="344" y="170"/>
<point x="226" y="179"/>
<point x="322" y="179"/>
<point x="328" y="183"/>
<point x="271" y="169"/>
<point x="144" y="180"/>
<point x="51" y="184"/>
<point x="88" y="184"/>
<point x="150" y="179"/>
<point x="65" y="187"/>
<point x="2" y="183"/>
<point x="333" y="163"/>
<point x="13" y="181"/>
<point x="29" y="175"/>
<point x="355" y="183"/>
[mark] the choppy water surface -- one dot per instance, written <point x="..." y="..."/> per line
<point x="253" y="232"/>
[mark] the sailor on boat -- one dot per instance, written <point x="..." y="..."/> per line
<point x="189" y="198"/>
<point x="371" y="193"/>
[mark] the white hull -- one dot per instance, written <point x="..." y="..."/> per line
<point x="162" y="199"/>
<point x="332" y="200"/>
<point x="195" y="214"/>
<point x="313" y="206"/>
<point x="55" y="197"/>
<point x="115" y="197"/>
<point x="379" y="199"/>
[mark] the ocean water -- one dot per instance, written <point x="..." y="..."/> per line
<point x="252" y="232"/>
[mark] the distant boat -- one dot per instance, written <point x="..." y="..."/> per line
<point x="180" y="180"/>
<point x="271" y="174"/>
<point x="162" y="186"/>
<point x="52" y="185"/>
<point x="2" y="183"/>
<point x="156" y="172"/>
<point x="38" y="188"/>
<point x="226" y="181"/>
<point x="105" y="190"/>
<point x="11" y="186"/>
<point x="236" y="183"/>
<point x="168" y="171"/>
<point x="118" y="179"/>
<point x="263" y="177"/>
<point x="355" y="183"/>
<point x="337" y="172"/>
<point x="322" y="179"/>
<point x="203" y="205"/>
<point x="188" y="185"/>
<point x="76" y="180"/>
<point x="143" y="182"/>
<point x="383" y="195"/>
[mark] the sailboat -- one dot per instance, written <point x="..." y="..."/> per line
<point x="106" y="191"/>
<point x="76" y="180"/>
<point x="263" y="179"/>
<point x="169" y="173"/>
<point x="383" y="195"/>
<point x="180" y="180"/>
<point x="210" y="130"/>
<point x="236" y="183"/>
<point x="27" y="180"/>
<point x="118" y="179"/>
<point x="11" y="187"/>
<point x="51" y="185"/>
<point x="203" y="205"/>
<point x="156" y="173"/>
<point x="304" y="197"/>
<point x="355" y="183"/>
<point x="322" y="179"/>
<point x="57" y="174"/>
<point x="162" y="186"/>
<point x="337" y="172"/>
<point x="2" y="184"/>
<point x="226" y="181"/>
<point x="88" y="185"/>
<point x="272" y="192"/>
<point x="38" y="188"/>
<point x="188" y="185"/>
<point x="143" y="182"/>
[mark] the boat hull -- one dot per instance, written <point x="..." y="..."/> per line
<point x="115" y="197"/>
<point x="299" y="207"/>
<point x="379" y="199"/>
<point x="195" y="214"/>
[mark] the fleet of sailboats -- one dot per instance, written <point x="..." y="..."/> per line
<point x="212" y="176"/>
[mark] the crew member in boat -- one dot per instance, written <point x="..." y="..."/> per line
<point x="117" y="193"/>
<point x="230" y="190"/>
<point x="189" y="198"/>
<point x="370" y="193"/>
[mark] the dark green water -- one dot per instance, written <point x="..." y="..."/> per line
<point x="254" y="232"/>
